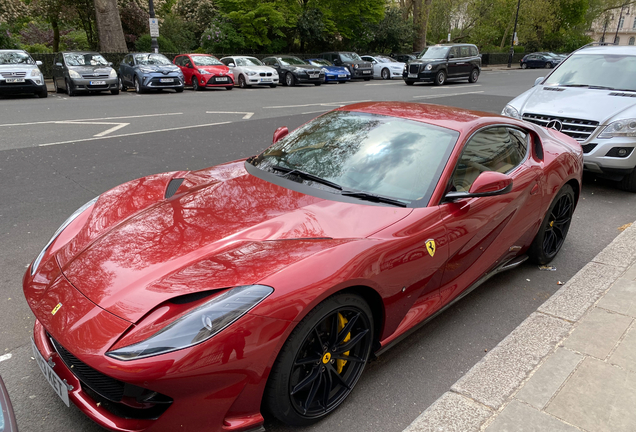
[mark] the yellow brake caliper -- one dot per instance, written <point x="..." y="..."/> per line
<point x="342" y="322"/>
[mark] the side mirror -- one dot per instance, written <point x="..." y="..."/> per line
<point x="537" y="81"/>
<point x="110" y="64"/>
<point x="488" y="183"/>
<point x="231" y="65"/>
<point x="58" y="64"/>
<point x="38" y="63"/>
<point x="280" y="133"/>
<point x="189" y="66"/>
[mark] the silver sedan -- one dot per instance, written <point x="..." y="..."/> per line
<point x="385" y="67"/>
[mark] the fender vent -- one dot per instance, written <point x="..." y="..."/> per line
<point x="633" y="95"/>
<point x="172" y="187"/>
<point x="556" y="89"/>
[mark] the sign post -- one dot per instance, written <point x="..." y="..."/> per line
<point x="154" y="27"/>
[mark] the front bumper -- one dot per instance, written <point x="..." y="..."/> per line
<point x="261" y="80"/>
<point x="596" y="159"/>
<point x="306" y="79"/>
<point x="216" y="81"/>
<point x="155" y="81"/>
<point x="85" y="84"/>
<point x="330" y="77"/>
<point x="28" y="86"/>
<point x="423" y="76"/>
<point x="361" y="73"/>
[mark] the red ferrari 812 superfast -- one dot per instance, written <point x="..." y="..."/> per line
<point x="192" y="301"/>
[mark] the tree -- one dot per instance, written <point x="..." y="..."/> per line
<point x="111" y="34"/>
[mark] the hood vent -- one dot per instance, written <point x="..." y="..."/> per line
<point x="556" y="89"/>
<point x="173" y="186"/>
<point x="632" y="95"/>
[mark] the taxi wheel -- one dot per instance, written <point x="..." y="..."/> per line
<point x="474" y="76"/>
<point x="440" y="78"/>
<point x="554" y="228"/>
<point x="322" y="360"/>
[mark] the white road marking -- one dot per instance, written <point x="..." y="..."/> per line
<point x="456" y="86"/>
<point x="247" y="115"/>
<point x="445" y="95"/>
<point x="5" y="357"/>
<point x="383" y="84"/>
<point x="91" y="119"/>
<point x="106" y="132"/>
<point x="343" y="103"/>
<point x="132" y="134"/>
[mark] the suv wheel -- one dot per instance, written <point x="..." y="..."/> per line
<point x="628" y="183"/>
<point x="440" y="78"/>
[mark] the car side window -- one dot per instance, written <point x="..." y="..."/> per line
<point x="178" y="61"/>
<point x="497" y="148"/>
<point x="454" y="52"/>
<point x="464" y="51"/>
<point x="473" y="51"/>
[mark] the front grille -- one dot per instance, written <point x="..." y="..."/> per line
<point x="265" y="74"/>
<point x="313" y="74"/>
<point x="92" y="76"/>
<point x="578" y="129"/>
<point x="156" y="82"/>
<point x="414" y="68"/>
<point x="588" y="147"/>
<point x="13" y="74"/>
<point x="107" y="387"/>
<point x="222" y="80"/>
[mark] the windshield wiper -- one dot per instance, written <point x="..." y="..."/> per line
<point x="373" y="198"/>
<point x="306" y="176"/>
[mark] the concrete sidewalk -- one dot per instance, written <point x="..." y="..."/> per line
<point x="570" y="366"/>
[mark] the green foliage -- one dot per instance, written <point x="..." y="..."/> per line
<point x="256" y="21"/>
<point x="7" y="39"/>
<point x="180" y="32"/>
<point x="392" y="34"/>
<point x="75" y="41"/>
<point x="222" y="37"/>
<point x="165" y="45"/>
<point x="37" y="48"/>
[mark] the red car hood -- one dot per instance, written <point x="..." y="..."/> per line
<point x="223" y="228"/>
<point x="215" y="69"/>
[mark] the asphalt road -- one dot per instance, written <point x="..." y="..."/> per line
<point x="57" y="153"/>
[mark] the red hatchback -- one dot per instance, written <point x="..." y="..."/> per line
<point x="204" y="70"/>
<point x="192" y="300"/>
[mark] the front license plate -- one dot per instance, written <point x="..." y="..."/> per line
<point x="222" y="79"/>
<point x="266" y="79"/>
<point x="166" y="80"/>
<point x="56" y="382"/>
<point x="97" y="83"/>
<point x="15" y="80"/>
<point x="366" y="72"/>
<point x="412" y="75"/>
<point x="342" y="76"/>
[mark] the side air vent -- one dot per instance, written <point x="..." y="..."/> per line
<point x="621" y="94"/>
<point x="172" y="187"/>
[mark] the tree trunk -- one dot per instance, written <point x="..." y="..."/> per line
<point x="56" y="35"/>
<point x="417" y="24"/>
<point x="111" y="34"/>
<point x="427" y="5"/>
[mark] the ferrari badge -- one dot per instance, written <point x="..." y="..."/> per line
<point x="56" y="308"/>
<point x="430" y="247"/>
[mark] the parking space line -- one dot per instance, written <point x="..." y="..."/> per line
<point x="247" y="115"/>
<point x="132" y="134"/>
<point x="445" y="95"/>
<point x="91" y="119"/>
<point x="319" y="104"/>
<point x="383" y="84"/>
<point x="5" y="357"/>
<point x="106" y="132"/>
<point x="452" y="87"/>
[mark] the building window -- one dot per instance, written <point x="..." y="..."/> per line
<point x="631" y="40"/>
<point x="634" y="25"/>
<point x="621" y="21"/>
<point x="617" y="40"/>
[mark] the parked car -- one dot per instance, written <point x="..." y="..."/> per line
<point x="440" y="63"/>
<point x="181" y="300"/>
<point x="385" y="67"/>
<point x="150" y="71"/>
<point x="539" y="60"/>
<point x="249" y="71"/>
<point x="7" y="418"/>
<point x="338" y="74"/>
<point x="20" y="74"/>
<point x="352" y="61"/>
<point x="591" y="96"/>
<point x="404" y="58"/>
<point x="204" y="70"/>
<point x="293" y="70"/>
<point x="83" y="72"/>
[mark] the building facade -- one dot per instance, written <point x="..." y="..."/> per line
<point x="617" y="26"/>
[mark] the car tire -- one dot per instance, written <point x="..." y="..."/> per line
<point x="57" y="88"/>
<point x="242" y="83"/>
<point x="43" y="93"/>
<point x="195" y="84"/>
<point x="548" y="65"/>
<point x="69" y="89"/>
<point x="273" y="85"/>
<point x="440" y="78"/>
<point x="122" y="87"/>
<point x="317" y="84"/>
<point x="524" y="65"/>
<point x="474" y="76"/>
<point x="138" y="87"/>
<point x="367" y="79"/>
<point x="299" y="392"/>
<point x="229" y="87"/>
<point x="554" y="228"/>
<point x="628" y="183"/>
<point x="114" y="91"/>
<point x="290" y="79"/>
<point x="409" y="82"/>
<point x="385" y="74"/>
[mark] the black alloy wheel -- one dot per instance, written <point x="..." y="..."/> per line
<point x="440" y="78"/>
<point x="524" y="65"/>
<point x="195" y="83"/>
<point x="321" y="361"/>
<point x="474" y="76"/>
<point x="385" y="74"/>
<point x="554" y="228"/>
<point x="290" y="79"/>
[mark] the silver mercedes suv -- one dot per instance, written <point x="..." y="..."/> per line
<point x="591" y="96"/>
<point x="19" y="74"/>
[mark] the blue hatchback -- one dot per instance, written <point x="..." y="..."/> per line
<point x="332" y="73"/>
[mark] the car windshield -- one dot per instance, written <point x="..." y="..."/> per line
<point x="15" y="57"/>
<point x="151" y="59"/>
<point x="320" y="62"/>
<point x="248" y="61"/>
<point x="435" y="52"/>
<point x="350" y="56"/>
<point x="287" y="61"/>
<point x="377" y="154"/>
<point x="79" y="59"/>
<point x="608" y="71"/>
<point x="201" y="60"/>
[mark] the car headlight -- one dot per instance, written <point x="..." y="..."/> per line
<point x="251" y="73"/>
<point x="73" y="74"/>
<point x="198" y="325"/>
<point x="204" y="72"/>
<point x="620" y="128"/>
<point x="113" y="73"/>
<point x="66" y="223"/>
<point x="36" y="73"/>
<point x="146" y="70"/>
<point x="324" y="70"/>
<point x="510" y="111"/>
<point x="428" y="67"/>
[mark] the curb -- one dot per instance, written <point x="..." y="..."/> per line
<point x="478" y="397"/>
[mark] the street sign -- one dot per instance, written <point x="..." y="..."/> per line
<point x="154" y="27"/>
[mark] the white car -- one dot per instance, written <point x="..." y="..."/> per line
<point x="590" y="96"/>
<point x="249" y="71"/>
<point x="19" y="73"/>
<point x="385" y="67"/>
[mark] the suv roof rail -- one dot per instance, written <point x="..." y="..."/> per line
<point x="597" y="44"/>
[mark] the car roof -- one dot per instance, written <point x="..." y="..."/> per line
<point x="79" y="52"/>
<point x="609" y="49"/>
<point x="13" y="50"/>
